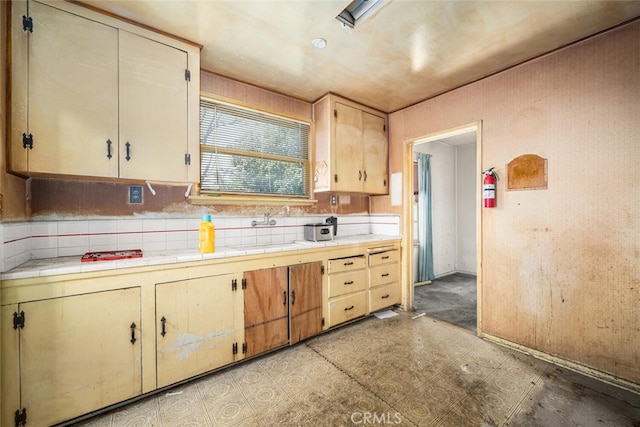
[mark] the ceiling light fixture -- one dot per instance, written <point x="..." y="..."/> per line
<point x="319" y="43"/>
<point x="358" y="10"/>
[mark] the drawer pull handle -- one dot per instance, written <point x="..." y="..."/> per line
<point x="163" y="321"/>
<point x="348" y="263"/>
<point x="133" y="333"/>
<point x="385" y="257"/>
<point x="349" y="282"/>
<point x="348" y="308"/>
<point x="385" y="296"/>
<point x="385" y="274"/>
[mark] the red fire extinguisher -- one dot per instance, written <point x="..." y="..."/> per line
<point x="489" y="188"/>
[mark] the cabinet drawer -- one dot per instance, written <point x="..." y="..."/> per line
<point x="384" y="257"/>
<point x="347" y="308"/>
<point x="346" y="264"/>
<point x="345" y="283"/>
<point x="382" y="274"/>
<point x="384" y="296"/>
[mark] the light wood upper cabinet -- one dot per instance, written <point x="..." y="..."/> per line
<point x="101" y="98"/>
<point x="71" y="347"/>
<point x="351" y="147"/>
<point x="196" y="329"/>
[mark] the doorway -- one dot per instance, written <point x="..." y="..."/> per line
<point x="450" y="292"/>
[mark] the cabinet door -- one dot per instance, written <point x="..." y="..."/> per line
<point x="195" y="327"/>
<point x="305" y="309"/>
<point x="266" y="310"/>
<point x="348" y="149"/>
<point x="153" y="110"/>
<point x="73" y="94"/>
<point x="79" y="354"/>
<point x="375" y="152"/>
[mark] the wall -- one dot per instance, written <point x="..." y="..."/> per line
<point x="560" y="267"/>
<point x="466" y="202"/>
<point x="453" y="194"/>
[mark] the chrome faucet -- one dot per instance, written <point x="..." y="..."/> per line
<point x="268" y="220"/>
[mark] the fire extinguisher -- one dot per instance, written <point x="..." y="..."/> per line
<point x="489" y="188"/>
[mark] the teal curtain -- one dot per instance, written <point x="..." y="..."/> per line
<point x="425" y="259"/>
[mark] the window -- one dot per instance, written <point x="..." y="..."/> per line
<point x="244" y="151"/>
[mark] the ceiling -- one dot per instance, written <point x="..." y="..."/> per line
<point x="404" y="53"/>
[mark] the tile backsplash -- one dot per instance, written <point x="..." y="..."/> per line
<point x="22" y="241"/>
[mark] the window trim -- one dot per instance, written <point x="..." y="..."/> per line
<point x="206" y="197"/>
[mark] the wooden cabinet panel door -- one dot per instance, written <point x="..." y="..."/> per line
<point x="266" y="310"/>
<point x="73" y="94"/>
<point x="153" y="110"/>
<point x="195" y="329"/>
<point x="305" y="309"/>
<point x="79" y="353"/>
<point x="348" y="148"/>
<point x="375" y="154"/>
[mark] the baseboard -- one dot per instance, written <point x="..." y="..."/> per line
<point x="426" y="282"/>
<point x="568" y="364"/>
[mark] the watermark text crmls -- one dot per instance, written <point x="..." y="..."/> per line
<point x="364" y="418"/>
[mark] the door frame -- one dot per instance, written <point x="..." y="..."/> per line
<point x="407" y="211"/>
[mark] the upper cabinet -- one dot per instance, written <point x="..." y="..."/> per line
<point x="93" y="96"/>
<point x="351" y="147"/>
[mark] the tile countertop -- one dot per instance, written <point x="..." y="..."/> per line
<point x="72" y="264"/>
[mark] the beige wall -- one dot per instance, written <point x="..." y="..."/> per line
<point x="561" y="267"/>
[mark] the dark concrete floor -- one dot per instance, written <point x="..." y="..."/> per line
<point x="451" y="299"/>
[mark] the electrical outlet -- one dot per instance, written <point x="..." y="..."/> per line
<point x="334" y="200"/>
<point x="135" y="194"/>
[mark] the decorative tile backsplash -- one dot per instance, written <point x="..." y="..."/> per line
<point x="22" y="241"/>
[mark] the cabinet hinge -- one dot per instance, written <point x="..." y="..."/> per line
<point x="27" y="141"/>
<point x="244" y="348"/>
<point x="18" y="320"/>
<point x="187" y="159"/>
<point x="21" y="417"/>
<point x="187" y="75"/>
<point x="322" y="269"/>
<point x="244" y="283"/>
<point x="234" y="284"/>
<point x="323" y="321"/>
<point x="234" y="348"/>
<point x="335" y="113"/>
<point x="27" y="23"/>
<point x="385" y="182"/>
<point x="384" y="128"/>
<point x="335" y="178"/>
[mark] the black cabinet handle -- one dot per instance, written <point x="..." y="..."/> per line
<point x="284" y="298"/>
<point x="350" y="282"/>
<point x="348" y="308"/>
<point x="293" y="297"/>
<point x="385" y="257"/>
<point x="365" y="176"/>
<point x="385" y="296"/>
<point x="109" y="156"/>
<point x="348" y="263"/>
<point x="163" y="321"/>
<point x="133" y="333"/>
<point x="128" y="156"/>
<point x="385" y="274"/>
<point x="359" y="175"/>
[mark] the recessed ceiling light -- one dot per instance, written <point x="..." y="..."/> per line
<point x="319" y="43"/>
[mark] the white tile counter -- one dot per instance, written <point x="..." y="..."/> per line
<point x="72" y="264"/>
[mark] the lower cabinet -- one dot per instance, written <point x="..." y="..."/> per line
<point x="196" y="329"/>
<point x="282" y="305"/>
<point x="384" y="278"/>
<point x="76" y="354"/>
<point x="266" y="310"/>
<point x="347" y="288"/>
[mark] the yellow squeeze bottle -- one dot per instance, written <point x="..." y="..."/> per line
<point x="207" y="235"/>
